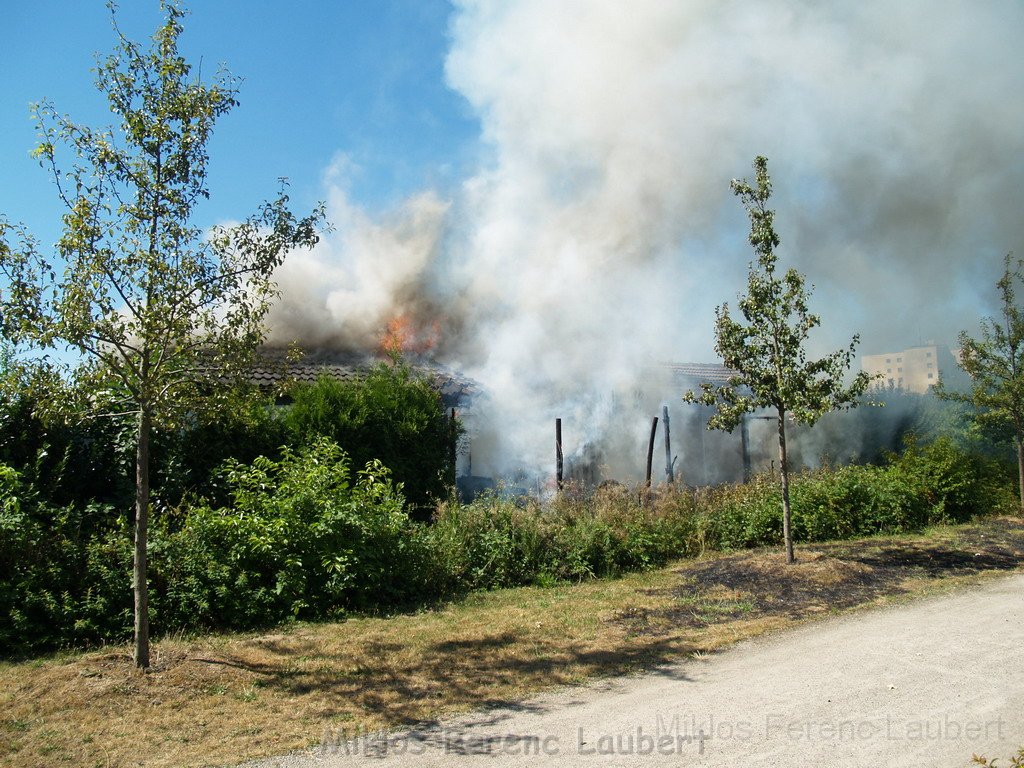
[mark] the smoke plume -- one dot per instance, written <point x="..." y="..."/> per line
<point x="599" y="232"/>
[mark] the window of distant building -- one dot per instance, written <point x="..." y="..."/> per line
<point x="899" y="370"/>
<point x="927" y="354"/>
<point x="888" y="370"/>
<point x="931" y="375"/>
<point x="899" y="359"/>
<point x="888" y="359"/>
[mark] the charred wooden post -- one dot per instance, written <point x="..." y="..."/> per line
<point x="453" y="440"/>
<point x="558" y="454"/>
<point x="650" y="450"/>
<point x="745" y="447"/>
<point x="669" y="471"/>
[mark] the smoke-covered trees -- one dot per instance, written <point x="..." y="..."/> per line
<point x="995" y="363"/>
<point x="162" y="314"/>
<point x="767" y="352"/>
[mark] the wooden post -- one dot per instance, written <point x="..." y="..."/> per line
<point x="558" y="453"/>
<point x="745" y="447"/>
<point x="669" y="471"/>
<point x="453" y="448"/>
<point x="650" y="450"/>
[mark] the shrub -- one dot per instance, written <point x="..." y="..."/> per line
<point x="954" y="483"/>
<point x="392" y="415"/>
<point x="187" y="459"/>
<point x="491" y="543"/>
<point x="744" y="515"/>
<point x="64" y="571"/>
<point x="300" y="539"/>
<point x="301" y="535"/>
<point x="498" y="541"/>
<point x="925" y="485"/>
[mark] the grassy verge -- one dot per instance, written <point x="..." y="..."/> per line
<point x="218" y="700"/>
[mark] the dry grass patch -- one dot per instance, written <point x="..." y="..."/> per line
<point x="219" y="700"/>
<point x="829" y="578"/>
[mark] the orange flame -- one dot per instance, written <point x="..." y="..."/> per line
<point x="402" y="337"/>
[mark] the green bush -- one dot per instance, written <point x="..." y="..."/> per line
<point x="392" y="415"/>
<point x="490" y="543"/>
<point x="953" y="483"/>
<point x="299" y="539"/>
<point x="300" y="535"/>
<point x="744" y="515"/>
<point x="65" y="460"/>
<point x="186" y="460"/>
<point x="925" y="485"/>
<point x="498" y="541"/>
<point x="64" y="571"/>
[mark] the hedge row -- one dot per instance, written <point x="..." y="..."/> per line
<point x="298" y="537"/>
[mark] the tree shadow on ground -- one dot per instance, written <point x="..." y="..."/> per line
<point x="485" y="673"/>
<point x="490" y="672"/>
<point x="827" y="577"/>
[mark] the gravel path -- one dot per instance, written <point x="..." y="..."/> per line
<point x="928" y="683"/>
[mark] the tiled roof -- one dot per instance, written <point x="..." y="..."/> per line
<point x="455" y="390"/>
<point x="691" y="375"/>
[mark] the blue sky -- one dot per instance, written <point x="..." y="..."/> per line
<point x="362" y="78"/>
<point x="542" y="186"/>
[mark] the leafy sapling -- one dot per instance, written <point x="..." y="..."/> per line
<point x="766" y="349"/>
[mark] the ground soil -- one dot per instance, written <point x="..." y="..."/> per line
<point x="827" y="577"/>
<point x="933" y="680"/>
<point x="216" y="700"/>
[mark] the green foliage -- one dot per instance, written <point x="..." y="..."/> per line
<point x="925" y="485"/>
<point x="163" y="314"/>
<point x="392" y="415"/>
<point x="299" y="536"/>
<point x="63" y="571"/>
<point x="493" y="542"/>
<point x="187" y="459"/>
<point x="498" y="541"/>
<point x="65" y="460"/>
<point x="744" y="515"/>
<point x="767" y="353"/>
<point x="299" y="539"/>
<point x="995" y="363"/>
<point x="951" y="481"/>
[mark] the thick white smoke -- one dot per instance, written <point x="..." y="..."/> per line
<point x="600" y="233"/>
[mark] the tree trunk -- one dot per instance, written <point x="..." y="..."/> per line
<point x="1020" y="468"/>
<point x="787" y="529"/>
<point x="139" y="582"/>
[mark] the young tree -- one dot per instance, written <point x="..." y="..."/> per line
<point x="163" y="316"/>
<point x="767" y="354"/>
<point x="995" y="363"/>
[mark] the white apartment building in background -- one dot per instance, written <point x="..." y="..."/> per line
<point x="916" y="369"/>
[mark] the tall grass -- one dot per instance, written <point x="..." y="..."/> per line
<point x="499" y="541"/>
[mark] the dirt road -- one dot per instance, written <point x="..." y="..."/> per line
<point x="927" y="683"/>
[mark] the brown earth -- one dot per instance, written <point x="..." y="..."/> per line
<point x="219" y="699"/>
<point x="827" y="577"/>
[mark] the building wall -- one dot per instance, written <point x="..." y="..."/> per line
<point x="916" y="369"/>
